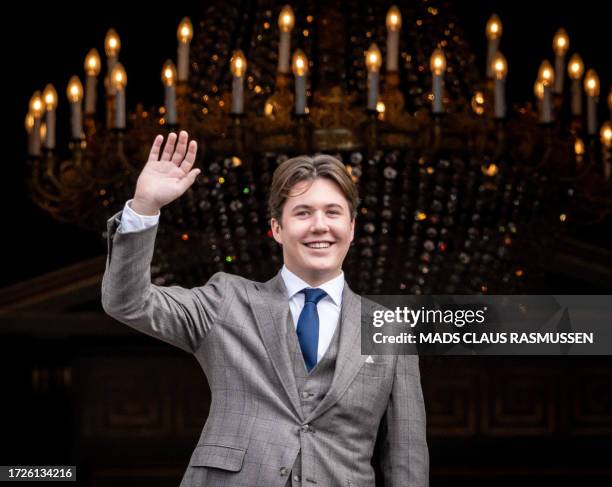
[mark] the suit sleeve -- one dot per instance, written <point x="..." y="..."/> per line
<point x="404" y="456"/>
<point x="179" y="316"/>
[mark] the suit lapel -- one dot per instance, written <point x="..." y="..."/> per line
<point x="271" y="309"/>
<point x="349" y="359"/>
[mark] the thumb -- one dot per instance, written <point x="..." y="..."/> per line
<point x="190" y="178"/>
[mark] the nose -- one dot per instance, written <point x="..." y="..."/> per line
<point x="319" y="222"/>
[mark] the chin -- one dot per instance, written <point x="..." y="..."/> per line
<point x="315" y="267"/>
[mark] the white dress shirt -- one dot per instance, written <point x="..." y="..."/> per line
<point x="328" y="307"/>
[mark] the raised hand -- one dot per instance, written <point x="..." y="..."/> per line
<point x="163" y="179"/>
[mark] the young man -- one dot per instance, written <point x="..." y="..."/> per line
<point x="293" y="400"/>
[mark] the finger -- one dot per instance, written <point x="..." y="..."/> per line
<point x="189" y="179"/>
<point x="181" y="148"/>
<point x="169" y="148"/>
<point x="190" y="158"/>
<point x="154" y="154"/>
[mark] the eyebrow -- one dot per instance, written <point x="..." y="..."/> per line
<point x="308" y="207"/>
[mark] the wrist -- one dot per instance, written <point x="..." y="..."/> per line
<point x="143" y="208"/>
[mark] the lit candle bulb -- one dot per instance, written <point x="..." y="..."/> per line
<point x="591" y="87"/>
<point x="373" y="61"/>
<point x="494" y="32"/>
<point x="168" y="77"/>
<point x="92" y="69"/>
<point x="438" y="67"/>
<point x="184" y="35"/>
<point x="29" y="127"/>
<point x="394" y="24"/>
<point x="538" y="91"/>
<point x="119" y="82"/>
<point x="50" y="100"/>
<point x="380" y="109"/>
<point x="579" y="151"/>
<point x="36" y="109"/>
<point x="560" y="46"/>
<point x="112" y="46"/>
<point x="605" y="135"/>
<point x="500" y="71"/>
<point x="286" y="21"/>
<point x="238" y="66"/>
<point x="43" y="131"/>
<point x="546" y="75"/>
<point x="75" y="97"/>
<point x="575" y="70"/>
<point x="300" y="69"/>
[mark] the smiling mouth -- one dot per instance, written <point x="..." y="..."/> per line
<point x="319" y="245"/>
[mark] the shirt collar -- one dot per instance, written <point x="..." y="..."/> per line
<point x="294" y="285"/>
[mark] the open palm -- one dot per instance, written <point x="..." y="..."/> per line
<point x="163" y="179"/>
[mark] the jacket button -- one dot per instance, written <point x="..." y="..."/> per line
<point x="283" y="471"/>
<point x="296" y="478"/>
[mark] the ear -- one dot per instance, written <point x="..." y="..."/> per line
<point x="353" y="228"/>
<point x="276" y="230"/>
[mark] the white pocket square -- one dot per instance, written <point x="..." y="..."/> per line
<point x="369" y="360"/>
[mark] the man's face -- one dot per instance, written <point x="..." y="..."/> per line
<point x="316" y="231"/>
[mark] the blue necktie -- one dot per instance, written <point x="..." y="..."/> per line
<point x="308" y="326"/>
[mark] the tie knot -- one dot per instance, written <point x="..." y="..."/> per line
<point x="313" y="295"/>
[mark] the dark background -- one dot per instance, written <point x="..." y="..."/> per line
<point x="47" y="42"/>
<point x="557" y="425"/>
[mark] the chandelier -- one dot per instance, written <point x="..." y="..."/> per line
<point x="459" y="192"/>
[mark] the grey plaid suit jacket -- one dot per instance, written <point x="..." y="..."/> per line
<point x="255" y="430"/>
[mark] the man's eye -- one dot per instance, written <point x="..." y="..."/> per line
<point x="302" y="213"/>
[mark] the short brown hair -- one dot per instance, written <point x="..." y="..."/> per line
<point x="304" y="168"/>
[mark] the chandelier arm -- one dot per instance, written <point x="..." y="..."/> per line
<point x="37" y="186"/>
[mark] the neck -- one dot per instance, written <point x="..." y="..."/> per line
<point x="315" y="278"/>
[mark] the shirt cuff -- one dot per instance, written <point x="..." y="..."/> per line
<point x="134" y="222"/>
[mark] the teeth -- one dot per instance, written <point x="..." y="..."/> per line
<point x="319" y="245"/>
